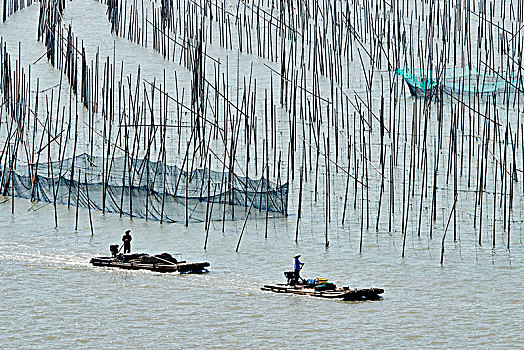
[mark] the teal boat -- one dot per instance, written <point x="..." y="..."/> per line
<point x="431" y="84"/>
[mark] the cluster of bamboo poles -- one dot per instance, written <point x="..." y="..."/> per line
<point x="12" y="6"/>
<point x="319" y="105"/>
<point x="137" y="117"/>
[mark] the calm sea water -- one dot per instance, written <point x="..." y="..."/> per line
<point x="53" y="298"/>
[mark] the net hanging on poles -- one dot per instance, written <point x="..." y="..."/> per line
<point x="146" y="189"/>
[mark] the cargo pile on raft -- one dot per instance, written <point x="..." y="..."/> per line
<point x="320" y="287"/>
<point x="158" y="263"/>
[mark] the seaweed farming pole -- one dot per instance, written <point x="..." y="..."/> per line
<point x="208" y="216"/>
<point x="77" y="200"/>
<point x="12" y="166"/>
<point x="299" y="211"/>
<point x="267" y="188"/>
<point x="88" y="204"/>
<point x="446" y="230"/>
<point x="326" y="190"/>
<point x="247" y="215"/>
<point x="163" y="149"/>
<point x="349" y="145"/>
<point x="408" y="196"/>
<point x="187" y="184"/>
<point x="382" y="156"/>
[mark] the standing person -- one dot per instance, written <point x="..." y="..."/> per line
<point x="127" y="242"/>
<point x="298" y="267"/>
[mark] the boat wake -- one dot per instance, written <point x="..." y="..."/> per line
<point x="24" y="255"/>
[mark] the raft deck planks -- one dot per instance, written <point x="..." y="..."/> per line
<point x="347" y="294"/>
<point x="182" y="267"/>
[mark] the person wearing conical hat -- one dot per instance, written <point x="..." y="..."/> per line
<point x="127" y="241"/>
<point x="298" y="267"/>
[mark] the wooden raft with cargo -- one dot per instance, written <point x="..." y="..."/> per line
<point x="164" y="262"/>
<point x="321" y="288"/>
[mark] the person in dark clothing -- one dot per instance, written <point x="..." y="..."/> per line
<point x="127" y="242"/>
<point x="298" y="267"/>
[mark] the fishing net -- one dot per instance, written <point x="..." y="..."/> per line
<point x="145" y="189"/>
<point x="430" y="83"/>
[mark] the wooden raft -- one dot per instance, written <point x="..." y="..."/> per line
<point x="180" y="267"/>
<point x="345" y="293"/>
